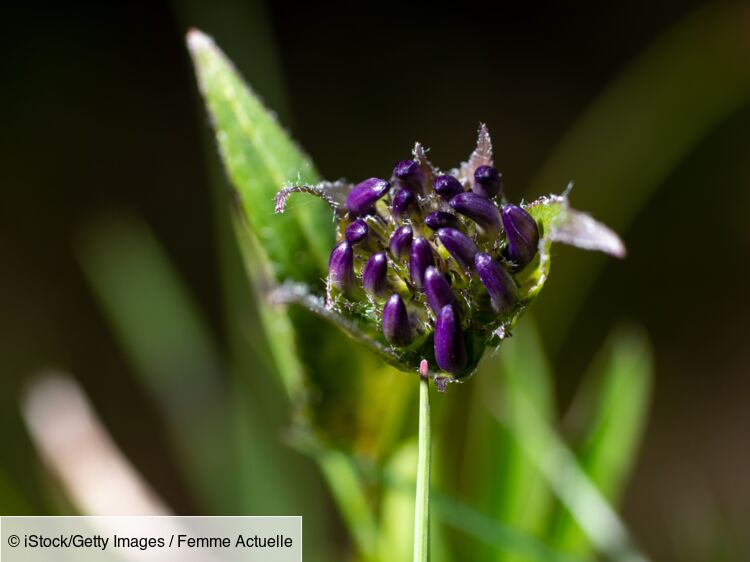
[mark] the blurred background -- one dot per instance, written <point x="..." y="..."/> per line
<point x="644" y="105"/>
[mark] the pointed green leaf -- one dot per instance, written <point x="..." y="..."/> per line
<point x="260" y="159"/>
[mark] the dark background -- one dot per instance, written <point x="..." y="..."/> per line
<point x="100" y="113"/>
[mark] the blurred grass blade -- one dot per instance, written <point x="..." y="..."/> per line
<point x="641" y="127"/>
<point x="616" y="428"/>
<point x="524" y="500"/>
<point x="506" y="482"/>
<point x="398" y="511"/>
<point x="346" y="486"/>
<point x="558" y="464"/>
<point x="506" y="540"/>
<point x="616" y="397"/>
<point x="396" y="530"/>
<point x="166" y="341"/>
<point x="260" y="159"/>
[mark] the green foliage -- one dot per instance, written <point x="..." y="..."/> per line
<point x="527" y="433"/>
<point x="259" y="158"/>
<point x="610" y="411"/>
<point x="167" y="343"/>
<point x="220" y="425"/>
<point x="509" y="485"/>
<point x="583" y="489"/>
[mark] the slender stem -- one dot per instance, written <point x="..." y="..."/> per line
<point x="422" y="506"/>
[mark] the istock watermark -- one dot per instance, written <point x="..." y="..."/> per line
<point x="101" y="539"/>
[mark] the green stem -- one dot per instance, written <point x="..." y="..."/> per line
<point x="422" y="506"/>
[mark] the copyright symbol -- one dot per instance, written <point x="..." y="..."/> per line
<point x="14" y="541"/>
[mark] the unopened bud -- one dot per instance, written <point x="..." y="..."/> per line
<point x="450" y="350"/>
<point x="364" y="195"/>
<point x="396" y="328"/>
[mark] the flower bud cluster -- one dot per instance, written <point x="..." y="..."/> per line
<point x="427" y="255"/>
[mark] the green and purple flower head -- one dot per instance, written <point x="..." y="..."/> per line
<point x="438" y="266"/>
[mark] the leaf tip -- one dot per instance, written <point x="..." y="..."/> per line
<point x="197" y="40"/>
<point x="581" y="230"/>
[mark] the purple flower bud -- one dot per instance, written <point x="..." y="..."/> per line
<point x="477" y="208"/>
<point x="447" y="186"/>
<point x="403" y="202"/>
<point x="441" y="219"/>
<point x="438" y="290"/>
<point x="488" y="181"/>
<point x="374" y="274"/>
<point x="400" y="242"/>
<point x="341" y="267"/>
<point x="410" y="174"/>
<point x="356" y="231"/>
<point x="498" y="282"/>
<point x="459" y="246"/>
<point x="396" y="327"/>
<point x="450" y="350"/>
<point x="522" y="233"/>
<point x="364" y="195"/>
<point x="420" y="258"/>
